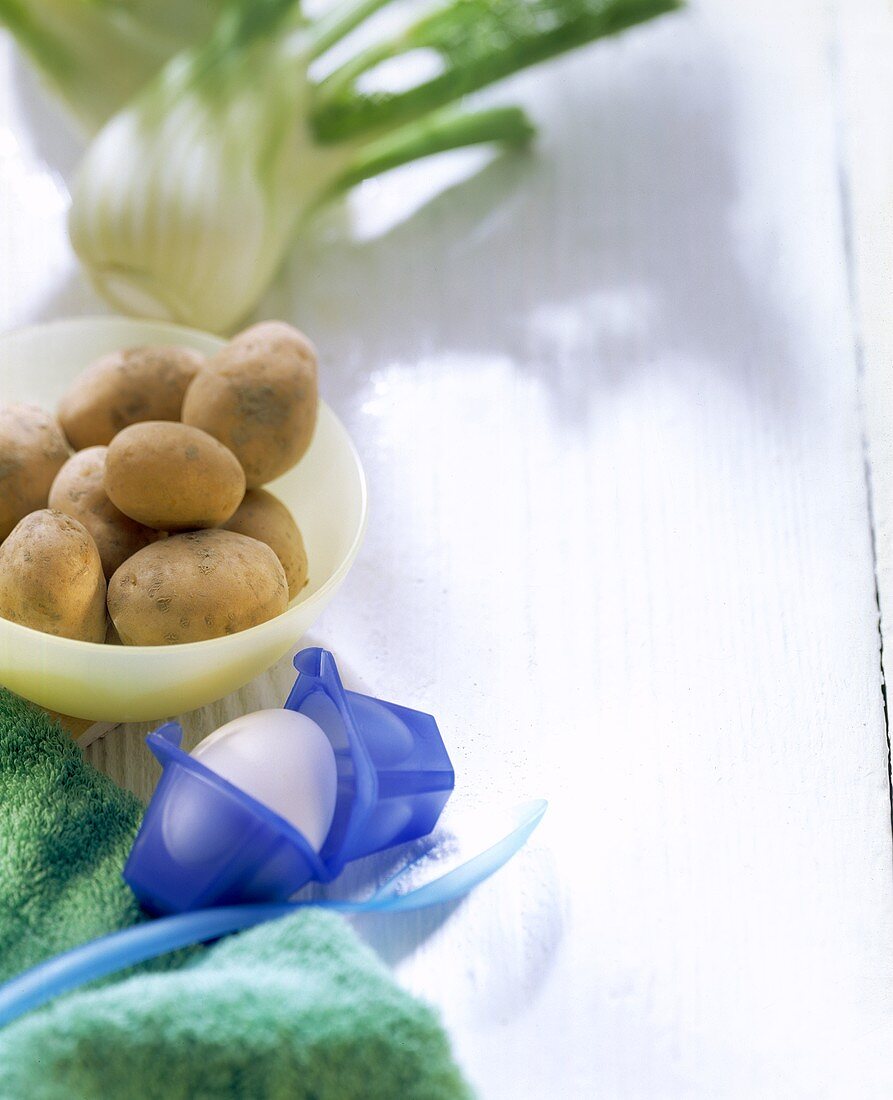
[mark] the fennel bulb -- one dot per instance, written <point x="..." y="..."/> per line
<point x="187" y="200"/>
<point x="184" y="199"/>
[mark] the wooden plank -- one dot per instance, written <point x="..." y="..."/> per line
<point x="620" y="546"/>
<point x="613" y="422"/>
<point x="866" y="127"/>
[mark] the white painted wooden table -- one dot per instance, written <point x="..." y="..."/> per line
<point x="608" y="397"/>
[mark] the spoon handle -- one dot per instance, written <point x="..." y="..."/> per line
<point x="120" y="950"/>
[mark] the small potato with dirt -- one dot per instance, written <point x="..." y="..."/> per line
<point x="191" y="587"/>
<point x="32" y="451"/>
<point x="126" y="387"/>
<point x="262" y="516"/>
<point x="259" y="395"/>
<point x="51" y="578"/>
<point x="79" y="491"/>
<point x="172" y="477"/>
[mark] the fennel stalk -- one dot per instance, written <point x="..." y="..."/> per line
<point x="188" y="198"/>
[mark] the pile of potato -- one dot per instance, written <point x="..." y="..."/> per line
<point x="156" y="531"/>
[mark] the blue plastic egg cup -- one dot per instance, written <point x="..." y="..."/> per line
<point x="205" y="842"/>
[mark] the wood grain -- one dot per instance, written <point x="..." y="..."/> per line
<point x="607" y="395"/>
<point x="866" y="133"/>
<point x="83" y="730"/>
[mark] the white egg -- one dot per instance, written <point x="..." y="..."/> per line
<point x="284" y="760"/>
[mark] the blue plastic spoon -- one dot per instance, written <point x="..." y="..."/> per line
<point x="401" y="893"/>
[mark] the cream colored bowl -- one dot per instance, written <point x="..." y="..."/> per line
<point x="326" y="493"/>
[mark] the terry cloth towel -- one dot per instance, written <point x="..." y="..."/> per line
<point x="297" y="1008"/>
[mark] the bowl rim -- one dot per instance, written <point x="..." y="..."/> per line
<point x="334" y="579"/>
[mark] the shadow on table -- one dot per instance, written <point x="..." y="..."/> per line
<point x="57" y="137"/>
<point x="511" y="958"/>
<point x="623" y="247"/>
<point x="397" y="936"/>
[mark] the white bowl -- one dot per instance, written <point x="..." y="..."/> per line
<point x="326" y="493"/>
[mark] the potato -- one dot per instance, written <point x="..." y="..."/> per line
<point x="262" y="516"/>
<point x="79" y="491"/>
<point x="172" y="477"/>
<point x="32" y="451"/>
<point x="51" y="578"/>
<point x="191" y="587"/>
<point x="124" y="388"/>
<point x="259" y="396"/>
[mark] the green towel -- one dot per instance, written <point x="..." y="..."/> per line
<point x="296" y="1008"/>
